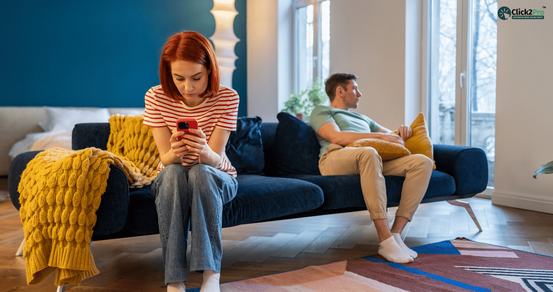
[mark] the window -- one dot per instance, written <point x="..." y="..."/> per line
<point x="312" y="42"/>
<point x="463" y="54"/>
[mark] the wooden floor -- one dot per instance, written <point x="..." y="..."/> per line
<point x="252" y="250"/>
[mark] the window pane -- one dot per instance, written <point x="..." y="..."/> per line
<point x="483" y="77"/>
<point x="443" y="71"/>
<point x="325" y="39"/>
<point x="304" y="18"/>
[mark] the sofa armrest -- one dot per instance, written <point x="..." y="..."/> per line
<point x="17" y="167"/>
<point x="468" y="166"/>
<point x="113" y="210"/>
<point x="90" y="135"/>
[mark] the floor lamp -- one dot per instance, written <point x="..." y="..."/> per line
<point x="224" y="38"/>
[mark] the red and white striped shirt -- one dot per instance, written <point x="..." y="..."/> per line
<point x="218" y="111"/>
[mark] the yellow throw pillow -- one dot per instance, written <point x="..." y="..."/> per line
<point x="420" y="142"/>
<point x="387" y="150"/>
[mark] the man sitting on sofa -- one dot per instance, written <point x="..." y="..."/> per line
<point x="336" y="126"/>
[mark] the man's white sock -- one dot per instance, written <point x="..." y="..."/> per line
<point x="405" y="248"/>
<point x="391" y="251"/>
<point x="211" y="282"/>
<point x="176" y="287"/>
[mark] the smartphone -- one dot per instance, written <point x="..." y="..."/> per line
<point x="186" y="124"/>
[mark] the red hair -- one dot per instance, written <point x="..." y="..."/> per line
<point x="193" y="47"/>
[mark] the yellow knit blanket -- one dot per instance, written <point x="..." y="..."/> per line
<point x="61" y="191"/>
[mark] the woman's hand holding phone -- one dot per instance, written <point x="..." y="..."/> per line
<point x="185" y="125"/>
<point x="195" y="141"/>
<point x="189" y="138"/>
<point x="178" y="146"/>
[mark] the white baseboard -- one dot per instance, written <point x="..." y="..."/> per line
<point x="531" y="202"/>
<point x="486" y="194"/>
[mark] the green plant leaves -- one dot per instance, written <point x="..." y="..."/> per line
<point x="305" y="101"/>
<point x="544" y="169"/>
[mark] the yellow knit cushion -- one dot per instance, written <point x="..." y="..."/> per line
<point x="420" y="142"/>
<point x="387" y="150"/>
<point x="134" y="142"/>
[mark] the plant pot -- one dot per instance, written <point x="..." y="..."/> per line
<point x="299" y="116"/>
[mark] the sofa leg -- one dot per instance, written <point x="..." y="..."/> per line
<point x="61" y="289"/>
<point x="467" y="207"/>
<point x="19" y="251"/>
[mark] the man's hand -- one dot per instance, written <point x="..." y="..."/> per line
<point x="405" y="132"/>
<point x="391" y="137"/>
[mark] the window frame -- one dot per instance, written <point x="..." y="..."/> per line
<point x="317" y="40"/>
<point x="463" y="82"/>
<point x="462" y="66"/>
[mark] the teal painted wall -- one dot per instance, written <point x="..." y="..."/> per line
<point x="101" y="53"/>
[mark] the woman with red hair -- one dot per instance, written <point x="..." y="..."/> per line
<point x="195" y="177"/>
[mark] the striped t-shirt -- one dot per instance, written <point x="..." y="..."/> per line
<point x="218" y="111"/>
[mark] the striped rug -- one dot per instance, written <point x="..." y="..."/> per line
<point x="452" y="265"/>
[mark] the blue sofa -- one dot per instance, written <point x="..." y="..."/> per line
<point x="278" y="178"/>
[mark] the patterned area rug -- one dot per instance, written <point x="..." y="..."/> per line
<point x="456" y="265"/>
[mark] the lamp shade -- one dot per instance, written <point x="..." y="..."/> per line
<point x="224" y="40"/>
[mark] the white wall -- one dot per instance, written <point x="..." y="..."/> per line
<point x="262" y="31"/>
<point x="367" y="38"/>
<point x="270" y="31"/>
<point x="524" y="136"/>
<point x="285" y="52"/>
<point x="413" y="60"/>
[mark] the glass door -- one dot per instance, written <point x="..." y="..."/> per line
<point x="463" y="54"/>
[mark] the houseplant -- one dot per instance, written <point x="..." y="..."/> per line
<point x="544" y="169"/>
<point x="302" y="103"/>
<point x="296" y="104"/>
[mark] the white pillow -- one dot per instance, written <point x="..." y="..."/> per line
<point x="127" y="111"/>
<point x="64" y="119"/>
<point x="53" y="139"/>
<point x="41" y="141"/>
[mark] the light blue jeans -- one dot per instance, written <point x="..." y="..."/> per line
<point x="191" y="198"/>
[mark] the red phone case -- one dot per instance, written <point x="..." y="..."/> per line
<point x="183" y="124"/>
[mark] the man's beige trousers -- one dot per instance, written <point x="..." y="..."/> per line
<point x="366" y="162"/>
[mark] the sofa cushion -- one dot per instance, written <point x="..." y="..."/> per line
<point x="258" y="198"/>
<point x="268" y="132"/>
<point x="337" y="196"/>
<point x="296" y="149"/>
<point x="90" y="135"/>
<point x="386" y="149"/>
<point x="245" y="148"/>
<point x="420" y="142"/>
<point x="263" y="197"/>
